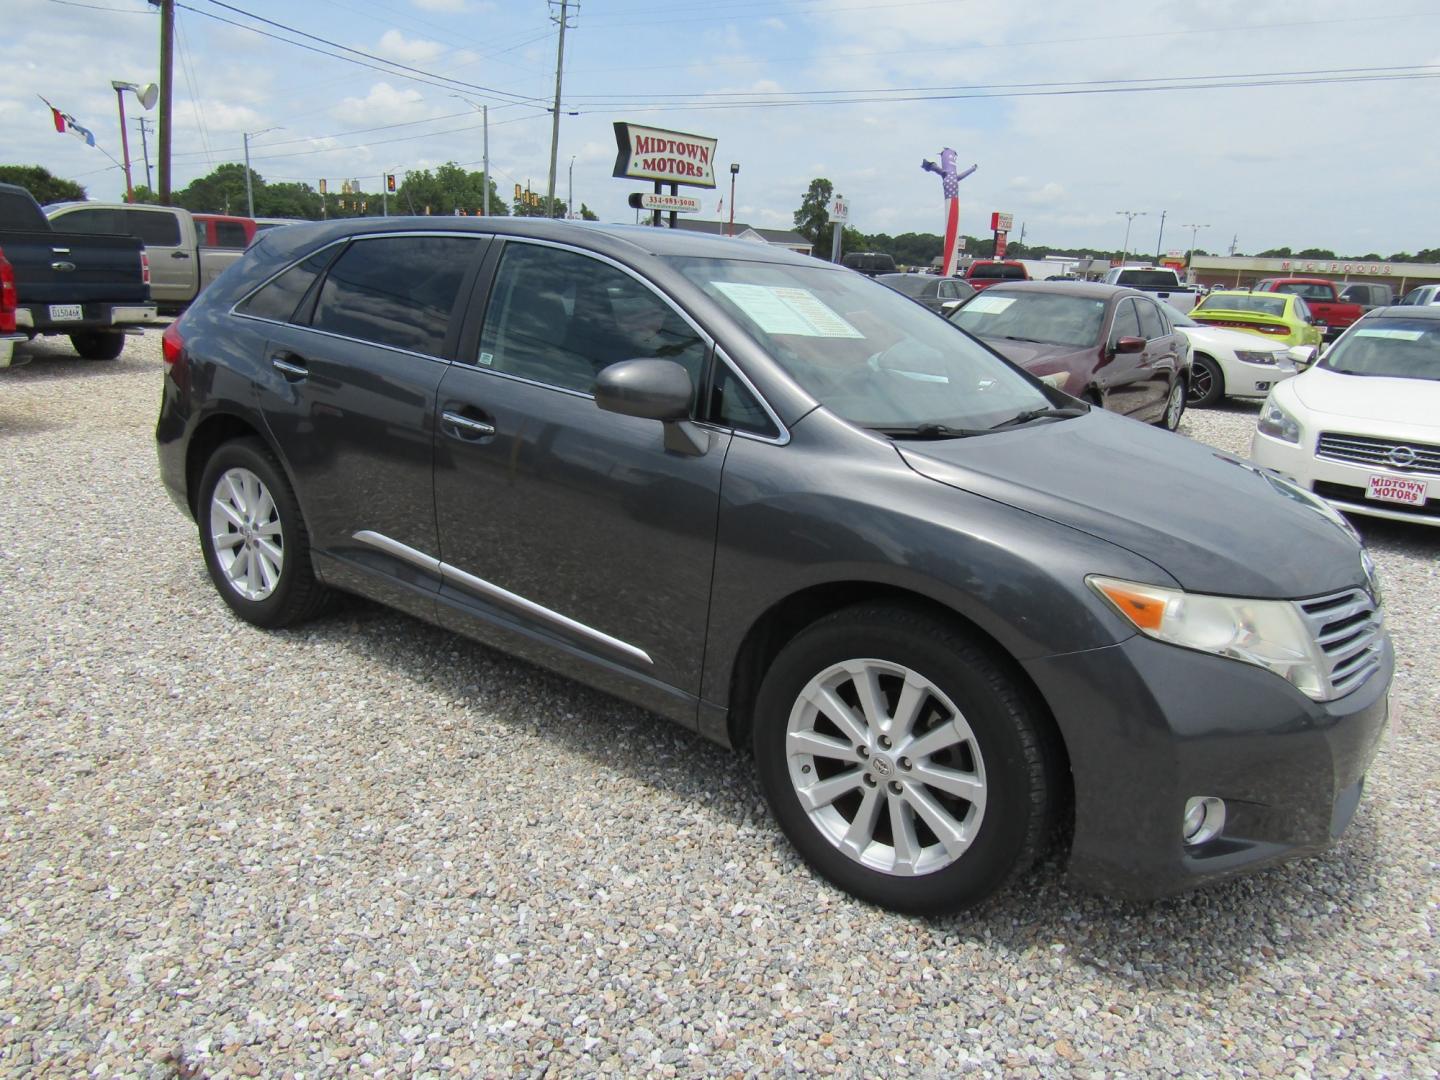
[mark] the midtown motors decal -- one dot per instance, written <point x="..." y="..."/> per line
<point x="672" y="157"/>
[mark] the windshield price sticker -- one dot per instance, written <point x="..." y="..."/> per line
<point x="1397" y="335"/>
<point x="990" y="305"/>
<point x="778" y="309"/>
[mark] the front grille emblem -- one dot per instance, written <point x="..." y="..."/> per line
<point x="1402" y="457"/>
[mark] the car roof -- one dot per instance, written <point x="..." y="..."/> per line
<point x="1095" y="290"/>
<point x="1406" y="311"/>
<point x="629" y="240"/>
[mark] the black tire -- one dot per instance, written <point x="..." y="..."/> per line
<point x="1011" y="739"/>
<point x="99" y="344"/>
<point x="1207" y="383"/>
<point x="296" y="594"/>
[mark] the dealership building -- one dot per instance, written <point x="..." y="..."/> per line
<point x="1239" y="272"/>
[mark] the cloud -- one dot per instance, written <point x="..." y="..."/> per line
<point x="384" y="104"/>
<point x="453" y="6"/>
<point x="397" y="46"/>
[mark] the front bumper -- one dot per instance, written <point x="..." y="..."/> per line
<point x="1342" y="485"/>
<point x="1246" y="380"/>
<point x="1149" y="725"/>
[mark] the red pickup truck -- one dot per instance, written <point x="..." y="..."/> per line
<point x="1332" y="315"/>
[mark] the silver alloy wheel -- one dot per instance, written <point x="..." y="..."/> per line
<point x="1200" y="383"/>
<point x="245" y="532"/>
<point x="1174" y="406"/>
<point x="886" y="767"/>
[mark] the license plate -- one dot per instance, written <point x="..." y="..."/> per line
<point x="1396" y="489"/>
<point x="66" y="313"/>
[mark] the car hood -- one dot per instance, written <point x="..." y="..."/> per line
<point x="1030" y="354"/>
<point x="1213" y="522"/>
<point x="1219" y="338"/>
<point x="1399" y="402"/>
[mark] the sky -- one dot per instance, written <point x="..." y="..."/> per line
<point x="1335" y="149"/>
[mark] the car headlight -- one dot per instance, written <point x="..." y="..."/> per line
<point x="1277" y="423"/>
<point x="1267" y="633"/>
<point x="1248" y="357"/>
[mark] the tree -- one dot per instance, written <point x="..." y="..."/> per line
<point x="449" y="188"/>
<point x="586" y="214"/>
<point x="1274" y="253"/>
<point x="1315" y="253"/>
<point x="532" y="204"/>
<point x="813" y="216"/>
<point x="42" y="183"/>
<point x="220" y="192"/>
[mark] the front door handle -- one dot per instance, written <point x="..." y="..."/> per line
<point x="468" y="428"/>
<point x="179" y="254"/>
<point x="285" y="363"/>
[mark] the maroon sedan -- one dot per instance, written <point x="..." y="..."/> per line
<point x="1109" y="345"/>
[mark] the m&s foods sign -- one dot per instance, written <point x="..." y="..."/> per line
<point x="672" y="157"/>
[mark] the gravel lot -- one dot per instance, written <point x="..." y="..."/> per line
<point x="369" y="848"/>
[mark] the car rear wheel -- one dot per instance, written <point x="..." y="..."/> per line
<point x="99" y="344"/>
<point x="1207" y="383"/>
<point x="1174" y="404"/>
<point x="903" y="760"/>
<point x="254" y="539"/>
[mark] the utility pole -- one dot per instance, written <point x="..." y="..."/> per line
<point x="1234" y="243"/>
<point x="485" y="160"/>
<point x="167" y="73"/>
<point x="145" y="148"/>
<point x="250" y="195"/>
<point x="1129" y="216"/>
<point x="1160" y="240"/>
<point x="570" y="199"/>
<point x="555" y="117"/>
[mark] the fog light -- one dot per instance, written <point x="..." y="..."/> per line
<point x="1204" y="818"/>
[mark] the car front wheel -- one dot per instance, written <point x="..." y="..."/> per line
<point x="903" y="760"/>
<point x="254" y="539"/>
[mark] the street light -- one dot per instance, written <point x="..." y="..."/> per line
<point x="147" y="95"/>
<point x="485" y="157"/>
<point x="570" y="201"/>
<point x="1129" y="215"/>
<point x="730" y="229"/>
<point x="1193" y="230"/>
<point x="249" y="194"/>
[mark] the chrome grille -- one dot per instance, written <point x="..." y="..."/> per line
<point x="1417" y="458"/>
<point x="1350" y="630"/>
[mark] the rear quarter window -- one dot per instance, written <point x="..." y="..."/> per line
<point x="278" y="299"/>
<point x="155" y="228"/>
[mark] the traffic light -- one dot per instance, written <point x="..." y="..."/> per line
<point x="390" y="183"/>
<point x="324" y="187"/>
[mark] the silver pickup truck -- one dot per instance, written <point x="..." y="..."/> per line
<point x="180" y="266"/>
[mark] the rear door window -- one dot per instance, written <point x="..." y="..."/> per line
<point x="99" y="220"/>
<point x="279" y="299"/>
<point x="155" y="228"/>
<point x="395" y="290"/>
<point x="228" y="234"/>
<point x="1151" y="325"/>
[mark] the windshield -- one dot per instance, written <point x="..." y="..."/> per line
<point x="1177" y="317"/>
<point x="1261" y="305"/>
<point x="1305" y="289"/>
<point x="1000" y="271"/>
<point x="862" y="350"/>
<point x="909" y="284"/>
<point x="1051" y="318"/>
<point x="1390" y="348"/>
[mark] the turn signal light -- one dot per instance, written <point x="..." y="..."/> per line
<point x="1145" y="609"/>
<point x="1266" y="329"/>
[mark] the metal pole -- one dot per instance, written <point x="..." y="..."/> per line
<point x="249" y="194"/>
<point x="570" y="199"/>
<point x="145" y="148"/>
<point x="730" y="229"/>
<point x="384" y="197"/>
<point x="167" y="70"/>
<point x="485" y="162"/>
<point x="555" y="119"/>
<point x="1160" y="240"/>
<point x="124" y="144"/>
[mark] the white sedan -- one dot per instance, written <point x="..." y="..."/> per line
<point x="1361" y="429"/>
<point x="1230" y="363"/>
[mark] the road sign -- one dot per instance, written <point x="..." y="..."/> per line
<point x="839" y="209"/>
<point x="1000" y="222"/>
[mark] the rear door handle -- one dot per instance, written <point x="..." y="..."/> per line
<point x="286" y="364"/>
<point x="467" y="428"/>
<point x="179" y="254"/>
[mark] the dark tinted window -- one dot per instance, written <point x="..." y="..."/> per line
<point x="1150" y="325"/>
<point x="558" y="318"/>
<point x="229" y="234"/>
<point x="92" y="221"/>
<point x="279" y="299"/>
<point x="18" y="212"/>
<point x="909" y="284"/>
<point x="156" y="228"/>
<point x="395" y="290"/>
<point x="1000" y="271"/>
<point x="1126" y="322"/>
<point x="1148" y="279"/>
<point x="733" y="405"/>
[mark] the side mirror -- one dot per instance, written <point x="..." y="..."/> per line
<point x="649" y="389"/>
<point x="1302" y="355"/>
<point x="1130" y="345"/>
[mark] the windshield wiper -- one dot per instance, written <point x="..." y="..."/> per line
<point x="1040" y="414"/>
<point x="930" y="431"/>
<point x="1031" y="340"/>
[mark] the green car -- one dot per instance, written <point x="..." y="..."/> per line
<point x="1281" y="317"/>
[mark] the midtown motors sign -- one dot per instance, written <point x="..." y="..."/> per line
<point x="671" y="157"/>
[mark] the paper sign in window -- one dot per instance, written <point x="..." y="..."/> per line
<point x="989" y="305"/>
<point x="1396" y="335"/>
<point x="779" y="309"/>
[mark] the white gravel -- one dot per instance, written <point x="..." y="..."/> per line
<point x="369" y="848"/>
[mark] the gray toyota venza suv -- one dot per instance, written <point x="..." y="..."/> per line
<point x="954" y="612"/>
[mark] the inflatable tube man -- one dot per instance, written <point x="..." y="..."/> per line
<point x="946" y="171"/>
